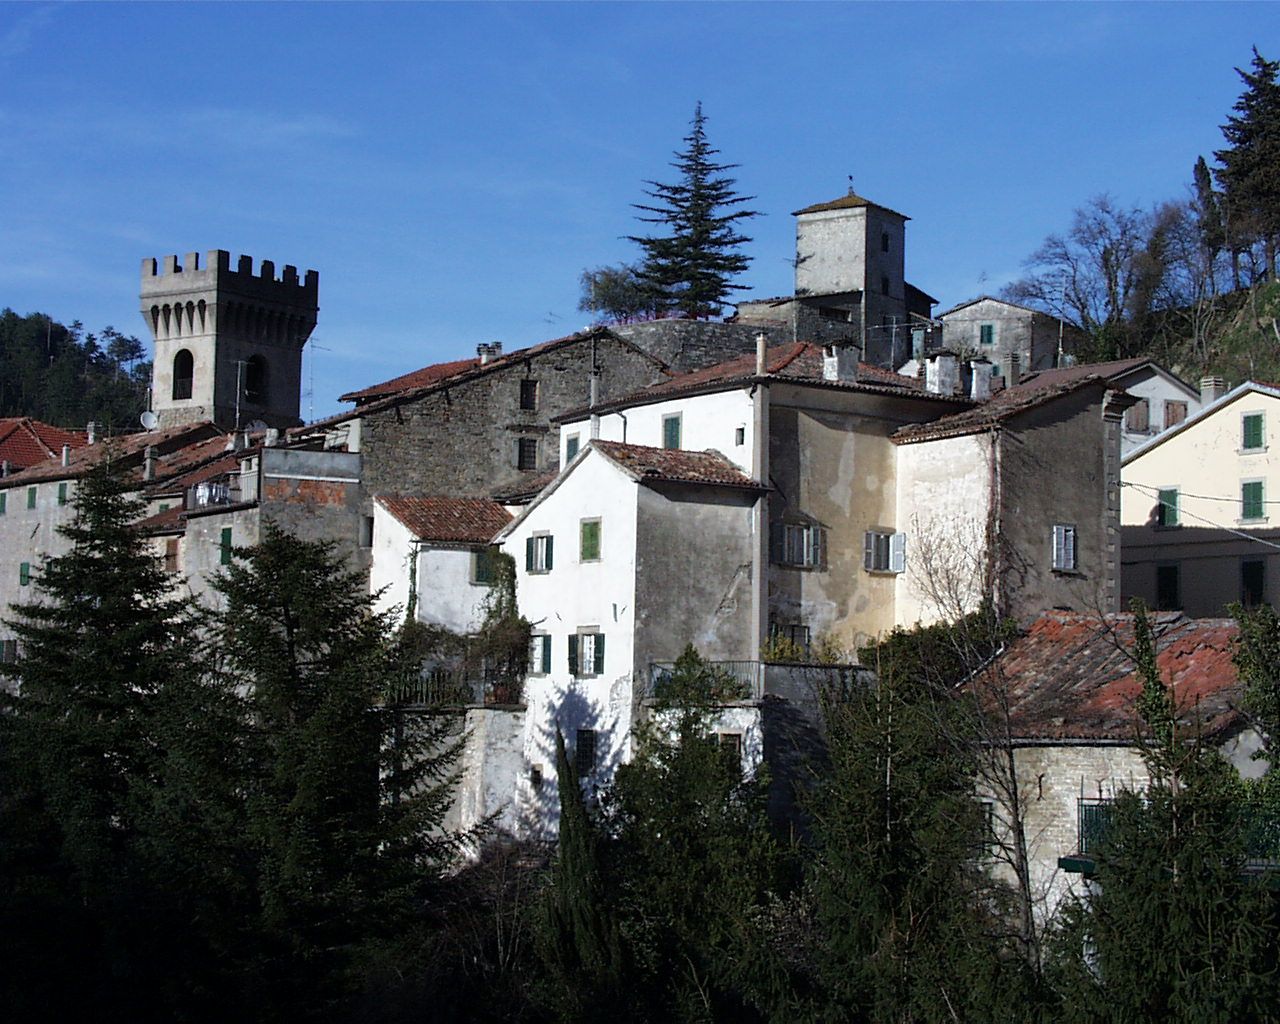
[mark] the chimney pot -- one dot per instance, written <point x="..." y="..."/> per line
<point x="66" y="454"/>
<point x="1211" y="389"/>
<point x="942" y="373"/>
<point x="761" y="348"/>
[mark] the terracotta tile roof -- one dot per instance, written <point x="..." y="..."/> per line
<point x="219" y="466"/>
<point x="1069" y="677"/>
<point x="444" y="374"/>
<point x="176" y="449"/>
<point x="26" y="442"/>
<point x="674" y="465"/>
<point x="798" y="361"/>
<point x="171" y="520"/>
<point x="1066" y="374"/>
<point x="1004" y="302"/>
<point x="448" y="520"/>
<point x="846" y="202"/>
<point x="1001" y="406"/>
<point x="527" y="487"/>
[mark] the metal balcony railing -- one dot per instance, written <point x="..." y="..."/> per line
<point x="443" y="688"/>
<point x="719" y="681"/>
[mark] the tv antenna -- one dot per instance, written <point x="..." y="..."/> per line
<point x="311" y="382"/>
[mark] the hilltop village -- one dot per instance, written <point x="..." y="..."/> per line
<point x="803" y="477"/>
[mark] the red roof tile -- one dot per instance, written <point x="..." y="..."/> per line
<point x="448" y="520"/>
<point x="1002" y="405"/>
<point x="846" y="202"/>
<point x="424" y="377"/>
<point x="26" y="442"/>
<point x="176" y="449"/>
<point x="673" y="465"/>
<point x="171" y="520"/>
<point x="1070" y="676"/>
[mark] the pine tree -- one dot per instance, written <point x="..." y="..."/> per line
<point x="346" y="799"/>
<point x="1249" y="174"/>
<point x="114" y="749"/>
<point x="688" y="269"/>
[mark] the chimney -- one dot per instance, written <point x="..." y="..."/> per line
<point x="66" y="454"/>
<point x="1013" y="370"/>
<point x="149" y="463"/>
<point x="91" y="431"/>
<point x="1211" y="389"/>
<point x="272" y="437"/>
<point x="942" y="373"/>
<point x="761" y="346"/>
<point x="840" y="363"/>
<point x="980" y="379"/>
<point x="488" y="352"/>
<point x="595" y="398"/>
<point x="5" y="468"/>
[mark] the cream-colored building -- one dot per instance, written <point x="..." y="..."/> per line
<point x="1199" y="508"/>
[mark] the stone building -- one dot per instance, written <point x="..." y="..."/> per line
<point x="1015" y="339"/>
<point x="850" y="284"/>
<point x="228" y="342"/>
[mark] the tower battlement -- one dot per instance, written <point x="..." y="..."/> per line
<point x="166" y="275"/>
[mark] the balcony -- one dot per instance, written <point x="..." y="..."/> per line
<point x="442" y="688"/>
<point x="744" y="681"/>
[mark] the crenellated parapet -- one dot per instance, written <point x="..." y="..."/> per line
<point x="188" y="299"/>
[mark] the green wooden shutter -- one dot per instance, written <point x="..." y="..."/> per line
<point x="590" y="547"/>
<point x="3" y="496"/>
<point x="31" y="497"/>
<point x="62" y="494"/>
<point x="1252" y="431"/>
<point x="1168" y="515"/>
<point x="570" y="449"/>
<point x="24" y="574"/>
<point x="1251" y="500"/>
<point x="546" y="654"/>
<point x="671" y="432"/>
<point x="573" y="654"/>
<point x="226" y="545"/>
<point x="528" y="554"/>
<point x="550" y="541"/>
<point x="598" y="667"/>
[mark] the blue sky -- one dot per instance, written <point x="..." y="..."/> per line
<point x="451" y="168"/>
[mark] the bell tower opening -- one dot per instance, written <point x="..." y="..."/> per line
<point x="184" y="371"/>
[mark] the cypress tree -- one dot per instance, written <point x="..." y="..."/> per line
<point x="1249" y="171"/>
<point x="689" y="266"/>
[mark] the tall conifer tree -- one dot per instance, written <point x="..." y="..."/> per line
<point x="689" y="267"/>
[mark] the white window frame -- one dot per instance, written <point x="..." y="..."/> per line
<point x="541" y="543"/>
<point x="884" y="551"/>
<point x="539" y="654"/>
<point x="801" y="545"/>
<point x="1065" y="547"/>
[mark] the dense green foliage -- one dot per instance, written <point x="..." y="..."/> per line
<point x="689" y="266"/>
<point x="1175" y="927"/>
<point x="66" y="377"/>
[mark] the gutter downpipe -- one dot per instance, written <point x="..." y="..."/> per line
<point x="760" y="513"/>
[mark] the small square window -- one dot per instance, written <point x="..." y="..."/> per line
<point x="31" y="497"/>
<point x="589" y="537"/>
<point x="570" y="448"/>
<point x="225" y="545"/>
<point x="1251" y="432"/>
<point x="528" y="394"/>
<point x="1137" y="418"/>
<point x="538" y="551"/>
<point x="671" y="431"/>
<point x="987" y="334"/>
<point x="1167" y="510"/>
<point x="527" y="453"/>
<point x="1251" y="500"/>
<point x="1174" y="413"/>
<point x="584" y="753"/>
<point x="3" y="501"/>
<point x="163" y="507"/>
<point x="884" y="241"/>
<point x="484" y="566"/>
<point x="1253" y="582"/>
<point x="740" y="436"/>
<point x="1064" y="548"/>
<point x="62" y="494"/>
<point x="884" y="551"/>
<point x="794" y="633"/>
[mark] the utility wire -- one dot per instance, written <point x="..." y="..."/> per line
<point x="1210" y="522"/>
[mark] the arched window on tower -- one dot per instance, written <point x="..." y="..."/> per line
<point x="255" y="380"/>
<point x="183" y="371"/>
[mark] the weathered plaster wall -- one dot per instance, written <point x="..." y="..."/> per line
<point x="685" y="345"/>
<point x="943" y="501"/>
<point x="693" y="574"/>
<point x="463" y="441"/>
<point x="29" y="535"/>
<point x="390" y="563"/>
<point x="1157" y="390"/>
<point x="201" y="548"/>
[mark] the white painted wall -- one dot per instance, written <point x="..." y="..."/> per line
<point x="446" y="594"/>
<point x="575" y="594"/>
<point x="707" y="422"/>
<point x="389" y="562"/>
<point x="1157" y="389"/>
<point x="30" y="535"/>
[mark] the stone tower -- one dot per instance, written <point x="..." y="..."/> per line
<point x="228" y="342"/>
<point x="850" y="258"/>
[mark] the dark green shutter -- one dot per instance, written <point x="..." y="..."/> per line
<point x="570" y="449"/>
<point x="226" y="545"/>
<point x="671" y="432"/>
<point x="3" y="496"/>
<point x="62" y="494"/>
<point x="598" y="667"/>
<point x="549" y="544"/>
<point x="1253" y="431"/>
<point x="528" y="554"/>
<point x="24" y="574"/>
<point x="590" y="546"/>
<point x="573" y="654"/>
<point x="1168" y="515"/>
<point x="1251" y="500"/>
<point x="31" y="497"/>
<point x="546" y="654"/>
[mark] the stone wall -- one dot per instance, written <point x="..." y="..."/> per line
<point x="463" y="440"/>
<point x="685" y="345"/>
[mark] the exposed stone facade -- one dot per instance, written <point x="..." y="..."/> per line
<point x="685" y="345"/>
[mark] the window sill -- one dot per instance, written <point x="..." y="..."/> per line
<point x="537" y="572"/>
<point x="1251" y="522"/>
<point x="1073" y="573"/>
<point x="884" y="572"/>
<point x="1251" y="451"/>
